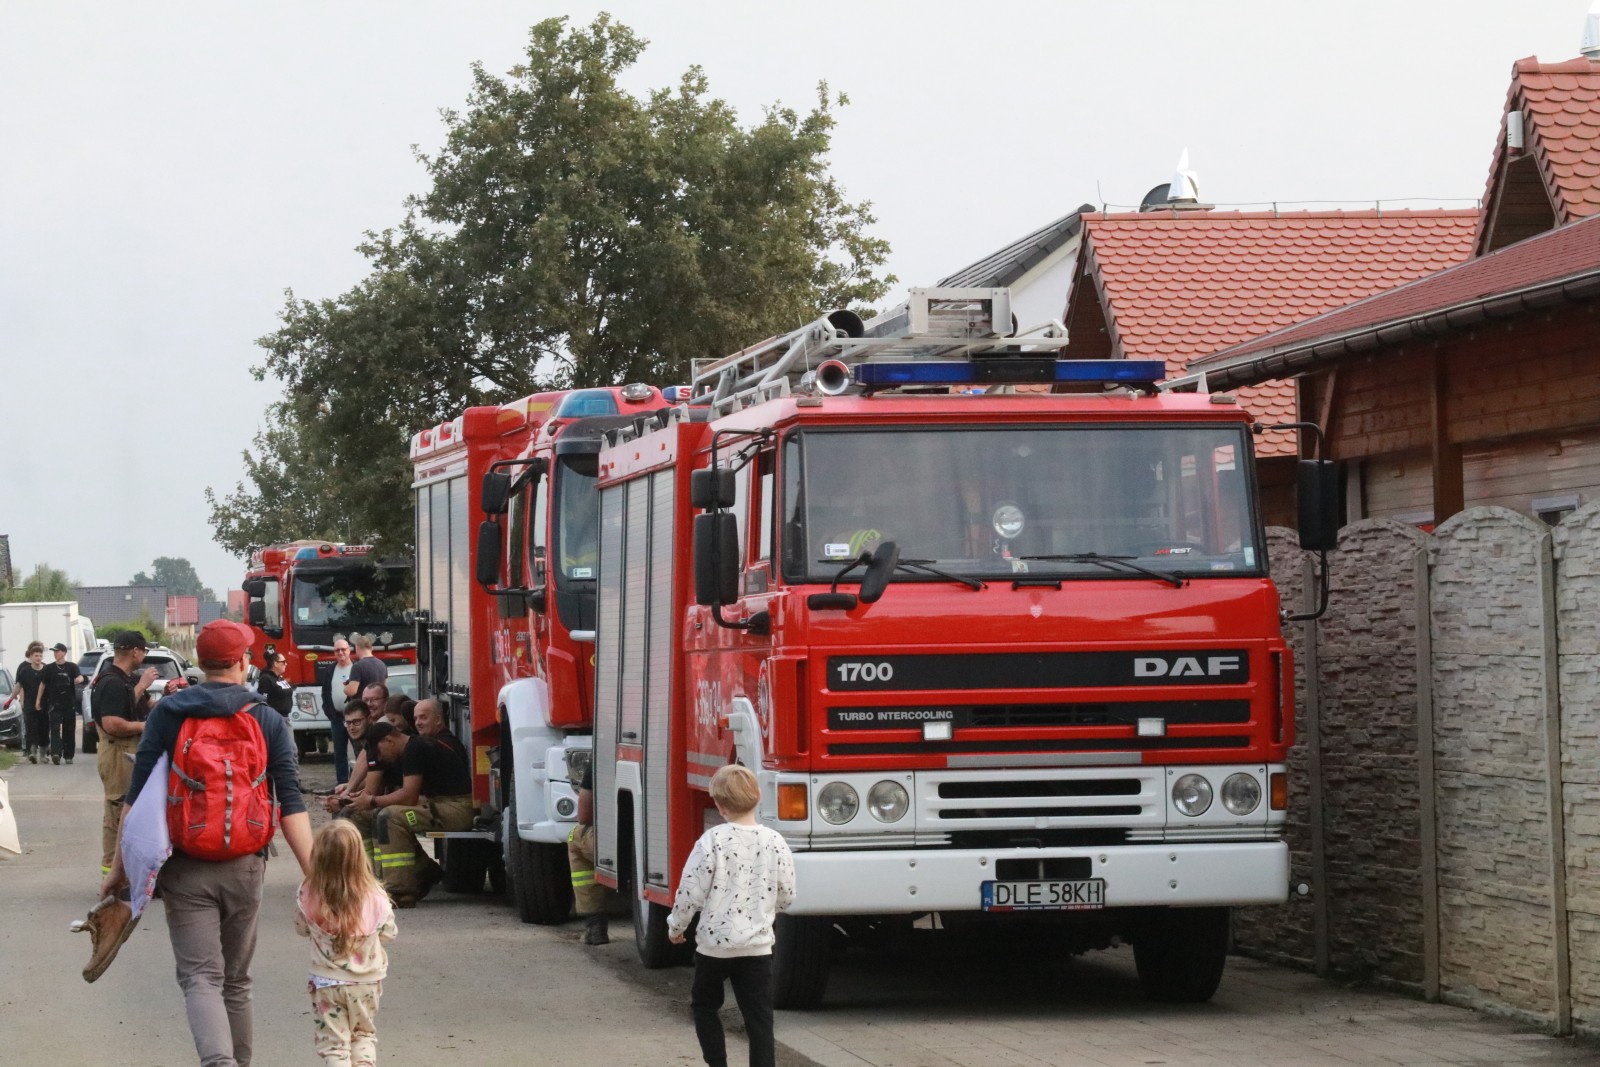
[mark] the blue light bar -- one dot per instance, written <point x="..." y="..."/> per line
<point x="1010" y="370"/>
<point x="676" y="394"/>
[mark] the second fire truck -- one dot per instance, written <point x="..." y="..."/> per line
<point x="997" y="655"/>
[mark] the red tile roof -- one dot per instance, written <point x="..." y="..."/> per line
<point x="1561" y="102"/>
<point x="1181" y="285"/>
<point x="1571" y="250"/>
<point x="183" y="610"/>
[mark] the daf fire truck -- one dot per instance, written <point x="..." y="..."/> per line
<point x="997" y="655"/>
<point x="505" y="623"/>
<point x="303" y="593"/>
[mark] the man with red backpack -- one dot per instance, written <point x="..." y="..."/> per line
<point x="232" y="772"/>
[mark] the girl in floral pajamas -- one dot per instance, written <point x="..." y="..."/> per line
<point x="347" y="916"/>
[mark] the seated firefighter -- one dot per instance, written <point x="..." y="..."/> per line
<point x="435" y="793"/>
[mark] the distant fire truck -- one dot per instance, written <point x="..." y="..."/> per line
<point x="505" y="622"/>
<point x="996" y="654"/>
<point x="305" y="592"/>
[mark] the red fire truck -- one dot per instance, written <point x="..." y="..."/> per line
<point x="304" y="592"/>
<point x="505" y="622"/>
<point x="998" y="655"/>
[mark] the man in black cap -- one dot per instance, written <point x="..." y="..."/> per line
<point x="119" y="704"/>
<point x="61" y="681"/>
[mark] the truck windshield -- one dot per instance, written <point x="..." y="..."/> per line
<point x="350" y="596"/>
<point x="577" y="522"/>
<point x="1004" y="501"/>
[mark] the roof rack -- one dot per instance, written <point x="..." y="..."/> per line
<point x="937" y="324"/>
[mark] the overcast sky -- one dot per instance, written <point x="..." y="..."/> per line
<point x="167" y="170"/>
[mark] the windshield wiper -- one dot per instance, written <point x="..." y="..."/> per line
<point x="926" y="566"/>
<point x="1111" y="563"/>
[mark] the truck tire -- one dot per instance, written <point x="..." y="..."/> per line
<point x="802" y="953"/>
<point x="465" y="864"/>
<point x="537" y="874"/>
<point x="1180" y="953"/>
<point x="650" y="922"/>
<point x="91" y="739"/>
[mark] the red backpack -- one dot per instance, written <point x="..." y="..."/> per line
<point x="219" y="802"/>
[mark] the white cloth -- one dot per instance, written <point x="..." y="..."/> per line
<point x="146" y="844"/>
<point x="8" y="822"/>
<point x="738" y="877"/>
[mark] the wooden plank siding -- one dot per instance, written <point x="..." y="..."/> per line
<point x="1520" y="400"/>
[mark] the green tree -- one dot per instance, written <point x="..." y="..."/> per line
<point x="177" y="574"/>
<point x="153" y="631"/>
<point x="44" y="584"/>
<point x="574" y="234"/>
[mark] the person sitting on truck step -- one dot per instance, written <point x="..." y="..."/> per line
<point x="376" y="699"/>
<point x="435" y="794"/>
<point x="356" y="722"/>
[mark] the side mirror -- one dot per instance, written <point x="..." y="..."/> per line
<point x="536" y="600"/>
<point x="716" y="558"/>
<point x="194" y="676"/>
<point x="1319" y="504"/>
<point x="879" y="571"/>
<point x="710" y="489"/>
<point x="490" y="552"/>
<point x="256" y="587"/>
<point x="257" y="613"/>
<point x="496" y="491"/>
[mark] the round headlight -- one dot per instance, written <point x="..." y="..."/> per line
<point x="1008" y="521"/>
<point x="837" y="803"/>
<point x="1191" y="794"/>
<point x="888" y="801"/>
<point x="565" y="807"/>
<point x="1241" y="793"/>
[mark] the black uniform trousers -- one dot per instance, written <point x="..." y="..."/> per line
<point x="63" y="733"/>
<point x="752" y="989"/>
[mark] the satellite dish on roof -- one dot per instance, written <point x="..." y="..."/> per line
<point x="1156" y="198"/>
<point x="1591" y="32"/>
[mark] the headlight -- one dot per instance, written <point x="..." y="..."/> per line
<point x="577" y="763"/>
<point x="566" y="807"/>
<point x="1191" y="794"/>
<point x="1241" y="793"/>
<point x="888" y="801"/>
<point x="838" y="803"/>
<point x="11" y="710"/>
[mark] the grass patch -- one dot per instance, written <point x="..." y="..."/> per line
<point x="8" y="759"/>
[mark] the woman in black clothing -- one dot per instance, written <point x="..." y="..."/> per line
<point x="278" y="694"/>
<point x="35" y="719"/>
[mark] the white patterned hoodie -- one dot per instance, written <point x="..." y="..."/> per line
<point x="739" y="877"/>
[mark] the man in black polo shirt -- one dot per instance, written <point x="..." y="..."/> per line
<point x="435" y="794"/>
<point x="119" y="705"/>
<point x="61" y="680"/>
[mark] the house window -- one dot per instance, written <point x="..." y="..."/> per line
<point x="1551" y="509"/>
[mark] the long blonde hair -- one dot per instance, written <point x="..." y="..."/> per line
<point x="342" y="880"/>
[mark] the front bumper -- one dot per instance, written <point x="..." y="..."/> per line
<point x="11" y="731"/>
<point x="908" y="881"/>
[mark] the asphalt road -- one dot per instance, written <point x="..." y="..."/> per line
<point x="469" y="984"/>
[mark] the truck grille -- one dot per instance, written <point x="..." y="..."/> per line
<point x="998" y="805"/>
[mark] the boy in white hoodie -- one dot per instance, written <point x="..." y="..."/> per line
<point x="739" y="877"/>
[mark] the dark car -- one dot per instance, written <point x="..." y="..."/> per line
<point x="10" y="718"/>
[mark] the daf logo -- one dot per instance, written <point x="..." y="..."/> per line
<point x="1185" y="666"/>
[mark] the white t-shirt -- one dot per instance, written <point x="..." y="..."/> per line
<point x="341" y="675"/>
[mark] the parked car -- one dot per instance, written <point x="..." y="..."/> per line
<point x="403" y="679"/>
<point x="10" y="718"/>
<point x="169" y="666"/>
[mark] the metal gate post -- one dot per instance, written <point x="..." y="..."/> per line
<point x="1551" y="654"/>
<point x="1312" y="670"/>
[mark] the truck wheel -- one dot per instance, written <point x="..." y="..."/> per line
<point x="304" y="743"/>
<point x="801" y="955"/>
<point x="650" y="934"/>
<point x="465" y="864"/>
<point x="1180" y="953"/>
<point x="497" y="876"/>
<point x="91" y="739"/>
<point x="540" y="882"/>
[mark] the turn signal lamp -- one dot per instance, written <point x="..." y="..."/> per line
<point x="1279" y="789"/>
<point x="792" y="802"/>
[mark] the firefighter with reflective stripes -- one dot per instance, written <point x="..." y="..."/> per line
<point x="435" y="794"/>
<point x="587" y="896"/>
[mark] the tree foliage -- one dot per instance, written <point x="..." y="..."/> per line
<point x="574" y="234"/>
<point x="177" y="575"/>
<point x="44" y="584"/>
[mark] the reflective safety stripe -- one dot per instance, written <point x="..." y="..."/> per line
<point x="582" y="879"/>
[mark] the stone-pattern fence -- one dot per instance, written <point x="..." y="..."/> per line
<point x="1445" y="785"/>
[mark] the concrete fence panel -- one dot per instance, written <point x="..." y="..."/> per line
<point x="1577" y="559"/>
<point x="1498" y="934"/>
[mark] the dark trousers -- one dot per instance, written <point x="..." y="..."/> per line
<point x="63" y="738"/>
<point x="752" y="990"/>
<point x="341" y="747"/>
<point x="35" y="729"/>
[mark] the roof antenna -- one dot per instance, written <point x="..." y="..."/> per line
<point x="1591" y="32"/>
